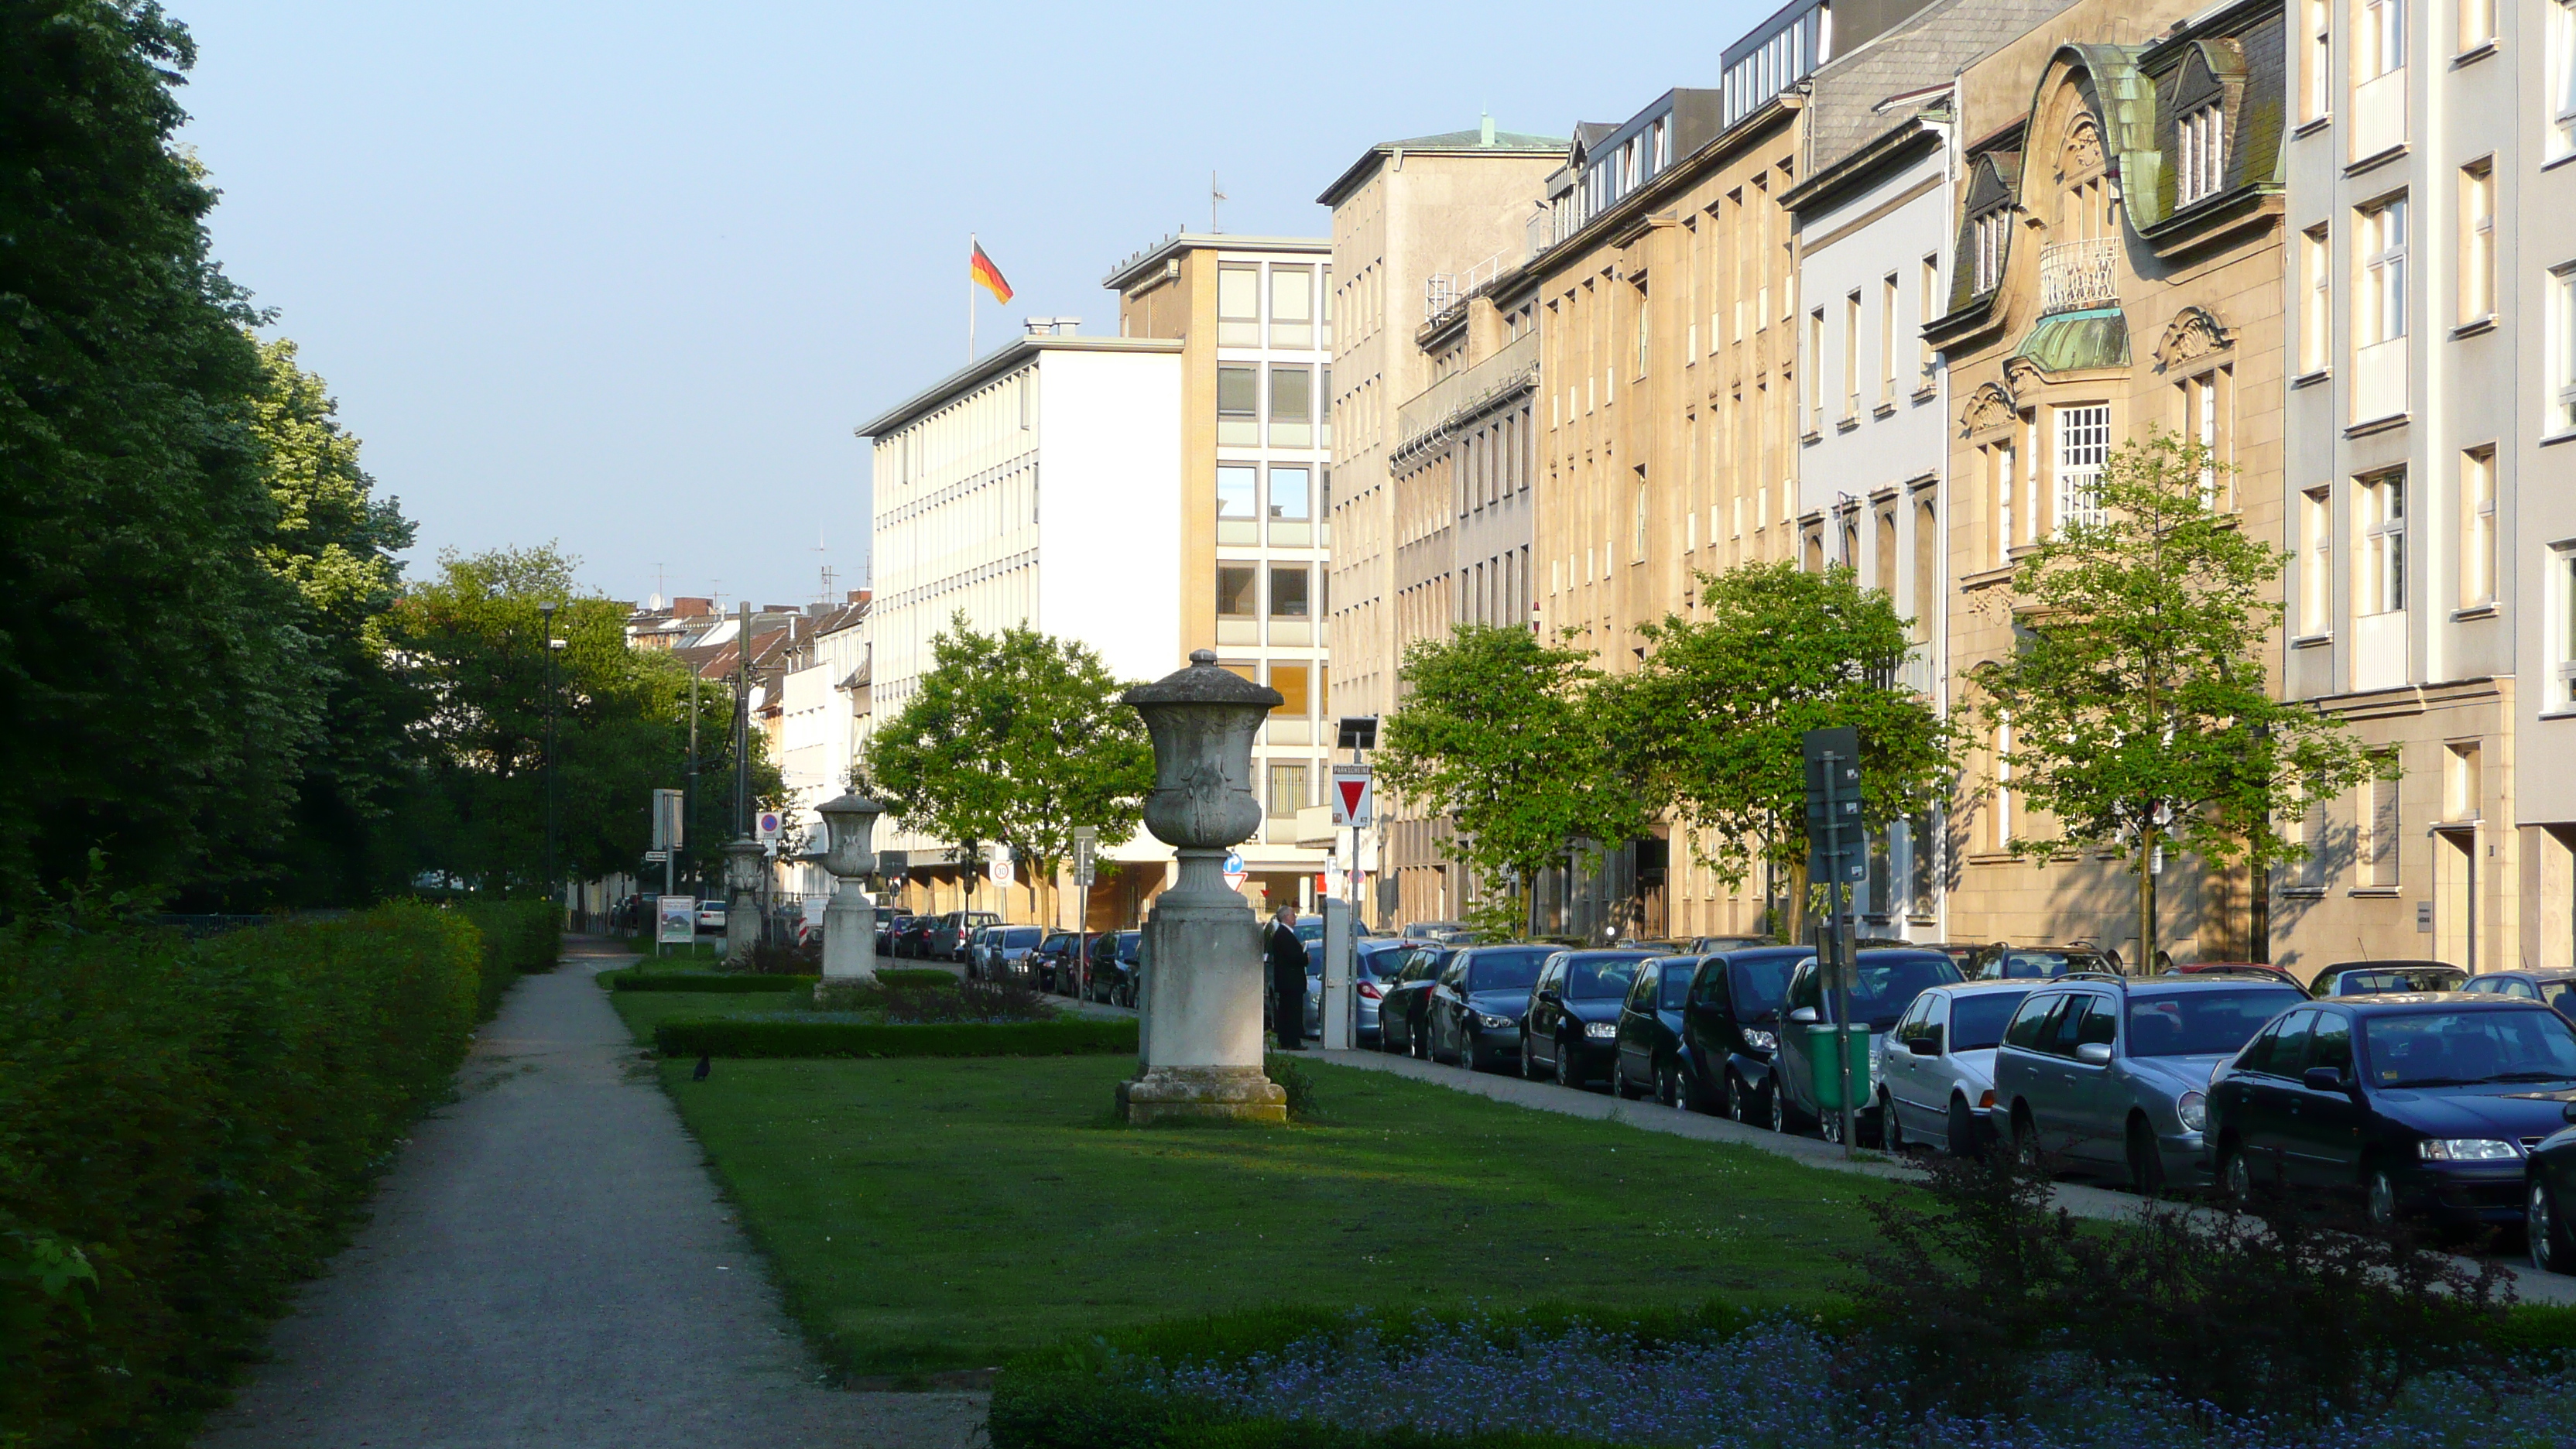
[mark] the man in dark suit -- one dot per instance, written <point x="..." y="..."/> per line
<point x="1287" y="957"/>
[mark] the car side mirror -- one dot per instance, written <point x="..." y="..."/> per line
<point x="1804" y="1016"/>
<point x="2322" y="1079"/>
<point x="2568" y="1112"/>
<point x="1923" y="1046"/>
<point x="2093" y="1053"/>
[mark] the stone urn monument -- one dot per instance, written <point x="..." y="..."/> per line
<point x="1201" y="994"/>
<point x="742" y="911"/>
<point x="850" y="918"/>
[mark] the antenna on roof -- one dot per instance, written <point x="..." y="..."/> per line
<point x="1214" y="196"/>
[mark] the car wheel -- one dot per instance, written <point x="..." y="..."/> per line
<point x="2235" y="1175"/>
<point x="1778" y="1103"/>
<point x="1962" y="1130"/>
<point x="2146" y="1162"/>
<point x="2548" y="1232"/>
<point x="1669" y="1089"/>
<point x="1739" y="1101"/>
<point x="1529" y="1059"/>
<point x="1568" y="1074"/>
<point x="2025" y="1138"/>
<point x="1890" y="1129"/>
<point x="1471" y="1053"/>
<point x="2379" y="1199"/>
<point x="1619" y="1083"/>
<point x="1417" y="1039"/>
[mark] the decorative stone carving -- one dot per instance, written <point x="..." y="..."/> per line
<point x="2194" y="334"/>
<point x="2021" y="372"/>
<point x="1990" y="406"/>
<point x="2083" y="153"/>
<point x="1201" y="994"/>
<point x="850" y="918"/>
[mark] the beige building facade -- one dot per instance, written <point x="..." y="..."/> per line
<point x="2117" y="268"/>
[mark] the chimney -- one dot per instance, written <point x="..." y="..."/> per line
<point x="858" y="596"/>
<point x="688" y="608"/>
<point x="1486" y="132"/>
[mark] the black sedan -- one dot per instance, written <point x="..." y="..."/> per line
<point x="1478" y="1000"/>
<point x="2553" y="988"/>
<point x="1650" y="1030"/>
<point x="1573" y="1024"/>
<point x="2417" y="1103"/>
<point x="2379" y="978"/>
<point x="1404" y="1011"/>
<point x="1731" y="1029"/>
<point x="2549" y="1194"/>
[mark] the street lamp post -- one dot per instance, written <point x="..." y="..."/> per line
<point x="554" y="882"/>
<point x="1201" y="994"/>
<point x="850" y="920"/>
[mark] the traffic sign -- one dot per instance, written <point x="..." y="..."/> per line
<point x="1086" y="849"/>
<point x="998" y="865"/>
<point x="657" y="855"/>
<point x="769" y="824"/>
<point x="666" y="819"/>
<point x="1333" y="879"/>
<point x="1234" y="870"/>
<point x="1354" y="797"/>
<point x="1837" y="843"/>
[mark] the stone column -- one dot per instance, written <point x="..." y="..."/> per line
<point x="850" y="920"/>
<point x="742" y="912"/>
<point x="1202" y="990"/>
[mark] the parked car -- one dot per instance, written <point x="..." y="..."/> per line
<point x="1936" y="1066"/>
<point x="2241" y="970"/>
<point x="1403" y="1013"/>
<point x="1114" y="966"/>
<point x="2549" y="1194"/>
<point x="1050" y="964"/>
<point x="890" y="924"/>
<point x="2413" y="1102"/>
<point x="1431" y="930"/>
<point x="1650" y="1046"/>
<point x="2113" y="1074"/>
<point x="1373" y="961"/>
<point x="974" y="953"/>
<point x="1884" y="983"/>
<point x="1709" y="945"/>
<point x="2375" y="978"/>
<point x="2005" y="962"/>
<point x="947" y="939"/>
<point x="1007" y="950"/>
<point x="1477" y="1002"/>
<point x="1572" y="1028"/>
<point x="2556" y="989"/>
<point x="1731" y="1028"/>
<point x="711" y="914"/>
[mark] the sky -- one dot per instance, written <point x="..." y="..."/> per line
<point x="624" y="278"/>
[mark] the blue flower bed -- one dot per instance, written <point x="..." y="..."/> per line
<point x="1778" y="1383"/>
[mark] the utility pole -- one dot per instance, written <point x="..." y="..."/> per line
<point x="690" y="807"/>
<point x="554" y="882"/>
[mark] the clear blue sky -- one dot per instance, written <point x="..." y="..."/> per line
<point x="626" y="276"/>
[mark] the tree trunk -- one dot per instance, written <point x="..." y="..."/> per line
<point x="2147" y="897"/>
<point x="1795" y="926"/>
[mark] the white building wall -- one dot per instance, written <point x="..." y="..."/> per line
<point x="1109" y="514"/>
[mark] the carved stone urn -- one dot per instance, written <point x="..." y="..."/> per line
<point x="1201" y="990"/>
<point x="849" y="918"/>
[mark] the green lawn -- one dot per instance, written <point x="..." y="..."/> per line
<point x="645" y="1010"/>
<point x="929" y="1214"/>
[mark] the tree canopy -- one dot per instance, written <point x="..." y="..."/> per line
<point x="1014" y="738"/>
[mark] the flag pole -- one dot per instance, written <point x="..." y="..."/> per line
<point x="971" y="244"/>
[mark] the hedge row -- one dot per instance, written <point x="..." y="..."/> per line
<point x="185" y="1129"/>
<point x="720" y="982"/>
<point x="519" y="937"/>
<point x="917" y="976"/>
<point x="736" y="1037"/>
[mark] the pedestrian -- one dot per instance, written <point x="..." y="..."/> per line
<point x="1287" y="957"/>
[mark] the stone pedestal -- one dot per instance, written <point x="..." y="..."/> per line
<point x="1202" y="995"/>
<point x="742" y="909"/>
<point x="850" y="936"/>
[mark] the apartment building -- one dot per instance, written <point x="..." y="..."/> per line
<point x="2117" y="266"/>
<point x="2430" y="416"/>
<point x="1419" y="226"/>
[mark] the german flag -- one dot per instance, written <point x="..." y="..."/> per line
<point x="982" y="271"/>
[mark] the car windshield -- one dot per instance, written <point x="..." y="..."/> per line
<point x="2468" y="1048"/>
<point x="1380" y="963"/>
<point x="2404" y="978"/>
<point x="1019" y="936"/>
<point x="2560" y="994"/>
<point x="1506" y="968"/>
<point x="1977" y="1019"/>
<point x="1881" y="989"/>
<point x="2042" y="965"/>
<point x="1129" y="942"/>
<point x="1589" y="977"/>
<point x="1675" y="991"/>
<point x="2203" y="1023"/>
<point x="1757" y="986"/>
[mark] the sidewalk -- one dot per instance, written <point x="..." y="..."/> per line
<point x="549" y="1264"/>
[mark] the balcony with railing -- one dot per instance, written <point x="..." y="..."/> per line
<point x="1424" y="420"/>
<point x="2079" y="274"/>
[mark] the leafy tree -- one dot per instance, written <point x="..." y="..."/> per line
<point x="472" y="641"/>
<point x="1016" y="739"/>
<point x="1500" y="733"/>
<point x="2136" y="699"/>
<point x="1714" y="722"/>
<point x="156" y="683"/>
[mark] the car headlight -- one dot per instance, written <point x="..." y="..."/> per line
<point x="2468" y="1149"/>
<point x="1601" y="1028"/>
<point x="2193" y="1109"/>
<point x="1761" y="1041"/>
<point x="1487" y="1018"/>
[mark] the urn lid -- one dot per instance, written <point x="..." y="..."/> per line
<point x="1203" y="683"/>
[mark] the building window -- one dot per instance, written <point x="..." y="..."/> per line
<point x="1290" y="681"/>
<point x="1236" y="587"/>
<point x="2316" y="304"/>
<point x="1324" y="319"/>
<point x="2003" y="783"/>
<point x="1238" y="407"/>
<point x="1292" y="508"/>
<point x="2382" y="313"/>
<point x="1292" y="307"/>
<point x="1932" y="306"/>
<point x="2562" y="613"/>
<point x="1927" y="567"/>
<point x="1287" y="788"/>
<point x="1288" y="591"/>
<point x="2382" y="39"/>
<point x="2204" y="153"/>
<point x="2318" y="94"/>
<point x="2000" y="467"/>
<point x="2383" y="544"/>
<point x="1292" y="407"/>
<point x="2477" y="527"/>
<point x="1645" y="326"/>
<point x="1815" y="364"/>
<point x="2083" y="445"/>
<point x="2316" y="562"/>
<point x="1238" y="306"/>
<point x="2477" y="240"/>
<point x="1238" y="517"/>
<point x="1641" y="516"/>
<point x="2561" y="341"/>
<point x="1851" y="355"/>
<point x="1990" y="236"/>
<point x="2380" y="822"/>
<point x="2477" y="23"/>
<point x="1887" y="338"/>
<point x="2562" y="77"/>
<point x="2204" y="411"/>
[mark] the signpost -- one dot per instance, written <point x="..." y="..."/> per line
<point x="769" y="827"/>
<point x="667" y="814"/>
<point x="998" y="866"/>
<point x="1234" y="870"/>
<point x="676" y="922"/>
<point x="1837" y="854"/>
<point x="1086" y="855"/>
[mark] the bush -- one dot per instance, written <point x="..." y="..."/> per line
<point x="185" y="1129"/>
<point x="519" y="937"/>
<point x="718" y="982"/>
<point x="930" y="976"/>
<point x="778" y="1037"/>
<point x="787" y="958"/>
<point x="1294" y="1078"/>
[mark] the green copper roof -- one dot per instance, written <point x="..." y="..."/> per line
<point x="2073" y="341"/>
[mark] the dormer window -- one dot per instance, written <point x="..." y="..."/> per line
<point x="1988" y="240"/>
<point x="2204" y="154"/>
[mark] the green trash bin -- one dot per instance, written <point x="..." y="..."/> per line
<point x="1827" y="1081"/>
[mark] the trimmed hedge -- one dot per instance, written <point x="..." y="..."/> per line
<point x="917" y="976"/>
<point x="519" y="937"/>
<point x="185" y="1130"/>
<point x="736" y="1037"/>
<point x="735" y="983"/>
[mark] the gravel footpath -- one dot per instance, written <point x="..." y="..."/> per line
<point x="550" y="1264"/>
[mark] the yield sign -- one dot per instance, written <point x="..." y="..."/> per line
<point x="1353" y="797"/>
